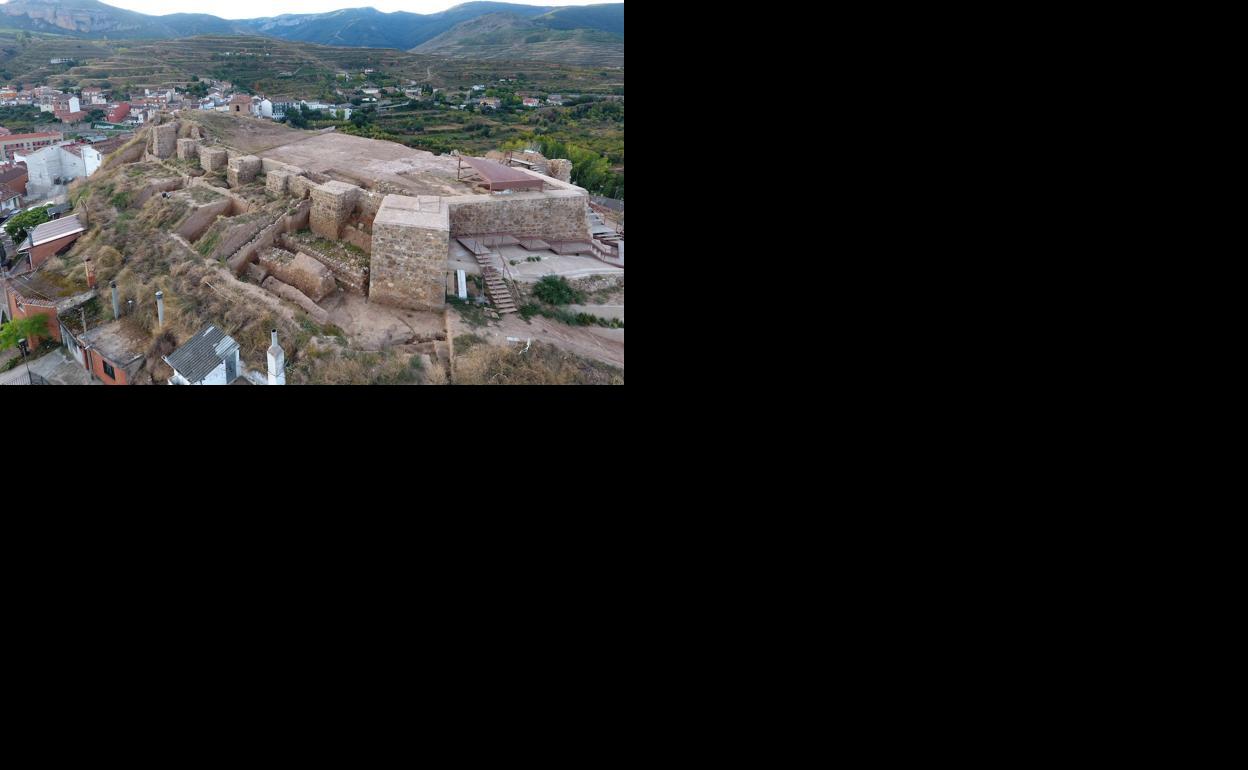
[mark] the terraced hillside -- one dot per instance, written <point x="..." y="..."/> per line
<point x="25" y="57"/>
<point x="509" y="36"/>
<point x="276" y="68"/>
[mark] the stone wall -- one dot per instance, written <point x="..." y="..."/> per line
<point x="202" y="218"/>
<point x="366" y="207"/>
<point x="560" y="169"/>
<point x="154" y="187"/>
<point x="299" y="270"/>
<point x="411" y="242"/>
<point x="351" y="274"/>
<point x="555" y="214"/>
<point x="242" y="170"/>
<point x="265" y="238"/>
<point x="188" y="149"/>
<point x="212" y="158"/>
<point x="299" y="186"/>
<point x="357" y="238"/>
<point x="163" y="141"/>
<point x="290" y="293"/>
<point x="332" y="205"/>
<point x="275" y="181"/>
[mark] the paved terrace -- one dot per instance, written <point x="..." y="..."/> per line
<point x="362" y="161"/>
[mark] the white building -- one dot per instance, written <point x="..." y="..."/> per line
<point x="208" y="358"/>
<point x="51" y="168"/>
<point x="266" y="108"/>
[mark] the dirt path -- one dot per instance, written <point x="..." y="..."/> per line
<point x="606" y="345"/>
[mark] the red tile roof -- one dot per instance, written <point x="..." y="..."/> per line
<point x="46" y="135"/>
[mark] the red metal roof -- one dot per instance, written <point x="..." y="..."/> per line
<point x="500" y="177"/>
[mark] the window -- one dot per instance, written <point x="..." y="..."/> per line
<point x="108" y="369"/>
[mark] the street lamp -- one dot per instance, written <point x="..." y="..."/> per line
<point x="22" y="344"/>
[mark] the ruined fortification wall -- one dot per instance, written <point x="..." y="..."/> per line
<point x="266" y="237"/>
<point x="357" y="238"/>
<point x="559" y="168"/>
<point x="155" y="187"/>
<point x="411" y="241"/>
<point x="288" y="292"/>
<point x="243" y="169"/>
<point x="366" y="206"/>
<point x="332" y="205"/>
<point x="188" y="149"/>
<point x="213" y="158"/>
<point x="299" y="186"/>
<point x="558" y="215"/>
<point x="351" y="275"/>
<point x="163" y="141"/>
<point x="299" y="270"/>
<point x="203" y="217"/>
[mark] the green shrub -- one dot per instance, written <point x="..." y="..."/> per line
<point x="555" y="290"/>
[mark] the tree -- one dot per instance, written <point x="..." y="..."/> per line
<point x="23" y="328"/>
<point x="20" y="224"/>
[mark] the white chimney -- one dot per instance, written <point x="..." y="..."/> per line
<point x="160" y="309"/>
<point x="277" y="363"/>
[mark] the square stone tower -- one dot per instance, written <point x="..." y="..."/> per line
<point x="411" y="245"/>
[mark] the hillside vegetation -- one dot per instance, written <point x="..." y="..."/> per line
<point x="509" y="36"/>
<point x="277" y="68"/>
<point x="353" y="27"/>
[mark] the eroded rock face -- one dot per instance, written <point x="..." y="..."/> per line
<point x="82" y="20"/>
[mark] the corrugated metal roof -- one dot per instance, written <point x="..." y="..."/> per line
<point x="58" y="228"/>
<point x="500" y="177"/>
<point x="202" y="353"/>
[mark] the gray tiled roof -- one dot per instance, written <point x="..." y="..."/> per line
<point x="57" y="228"/>
<point x="202" y="353"/>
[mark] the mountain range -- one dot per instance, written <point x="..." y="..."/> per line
<point x="591" y="34"/>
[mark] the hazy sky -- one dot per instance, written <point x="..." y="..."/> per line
<point x="251" y="9"/>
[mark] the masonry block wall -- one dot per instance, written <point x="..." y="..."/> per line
<point x="212" y="158"/>
<point x="560" y="169"/>
<point x="275" y="181"/>
<point x="242" y="170"/>
<point x="163" y="141"/>
<point x="299" y="186"/>
<point x="332" y="205"/>
<point x="188" y="149"/>
<point x="555" y="214"/>
<point x="411" y="241"/>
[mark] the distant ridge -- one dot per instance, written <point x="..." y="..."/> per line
<point x="596" y="31"/>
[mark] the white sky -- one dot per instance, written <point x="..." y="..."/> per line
<point x="253" y="9"/>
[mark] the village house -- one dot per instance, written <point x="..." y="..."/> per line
<point x="51" y="238"/>
<point x="208" y="358"/>
<point x="53" y="167"/>
<point x="492" y="103"/>
<point x="10" y="200"/>
<point x="13" y="177"/>
<point x="26" y="143"/>
<point x="112" y="353"/>
<point x="30" y="295"/>
<point x="118" y="112"/>
<point x="555" y="99"/>
<point x="531" y="102"/>
<point x="240" y="104"/>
